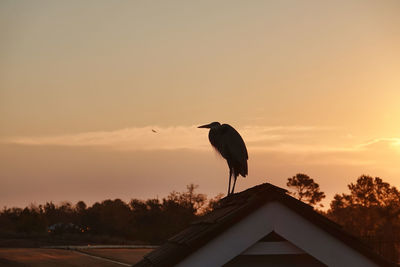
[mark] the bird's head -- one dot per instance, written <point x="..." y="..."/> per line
<point x="211" y="125"/>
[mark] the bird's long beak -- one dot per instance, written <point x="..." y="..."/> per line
<point x="204" y="126"/>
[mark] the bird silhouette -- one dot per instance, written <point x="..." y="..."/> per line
<point x="228" y="142"/>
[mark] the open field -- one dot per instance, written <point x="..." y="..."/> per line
<point x="102" y="257"/>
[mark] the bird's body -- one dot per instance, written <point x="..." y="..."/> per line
<point x="228" y="142"/>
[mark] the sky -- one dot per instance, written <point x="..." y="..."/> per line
<point x="312" y="86"/>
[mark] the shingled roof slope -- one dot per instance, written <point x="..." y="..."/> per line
<point x="232" y="209"/>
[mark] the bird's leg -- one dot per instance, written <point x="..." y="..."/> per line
<point x="229" y="187"/>
<point x="234" y="183"/>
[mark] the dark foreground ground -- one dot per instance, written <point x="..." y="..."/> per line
<point x="45" y="257"/>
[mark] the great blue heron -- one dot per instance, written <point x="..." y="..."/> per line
<point x="228" y="142"/>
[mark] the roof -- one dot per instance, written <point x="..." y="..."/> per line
<point x="234" y="208"/>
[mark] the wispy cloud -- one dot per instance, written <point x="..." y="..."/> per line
<point x="283" y="139"/>
<point x="165" y="138"/>
<point x="143" y="138"/>
<point x="381" y="142"/>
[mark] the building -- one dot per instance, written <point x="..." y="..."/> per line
<point x="263" y="226"/>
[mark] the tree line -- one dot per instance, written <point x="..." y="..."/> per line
<point x="149" y="221"/>
<point x="370" y="211"/>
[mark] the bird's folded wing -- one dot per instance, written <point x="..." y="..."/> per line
<point x="234" y="143"/>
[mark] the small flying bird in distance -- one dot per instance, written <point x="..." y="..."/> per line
<point x="154" y="131"/>
<point x="228" y="142"/>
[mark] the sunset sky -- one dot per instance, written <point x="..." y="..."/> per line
<point x="312" y="86"/>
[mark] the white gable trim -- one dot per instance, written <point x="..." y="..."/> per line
<point x="274" y="216"/>
<point x="273" y="248"/>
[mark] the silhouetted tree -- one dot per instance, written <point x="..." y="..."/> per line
<point x="147" y="215"/>
<point x="305" y="189"/>
<point x="212" y="204"/>
<point x="30" y="220"/>
<point x="80" y="216"/>
<point x="109" y="217"/>
<point x="371" y="211"/>
<point x="168" y="217"/>
<point x="189" y="199"/>
<point x="80" y="207"/>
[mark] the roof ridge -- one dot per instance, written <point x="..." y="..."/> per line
<point x="232" y="209"/>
